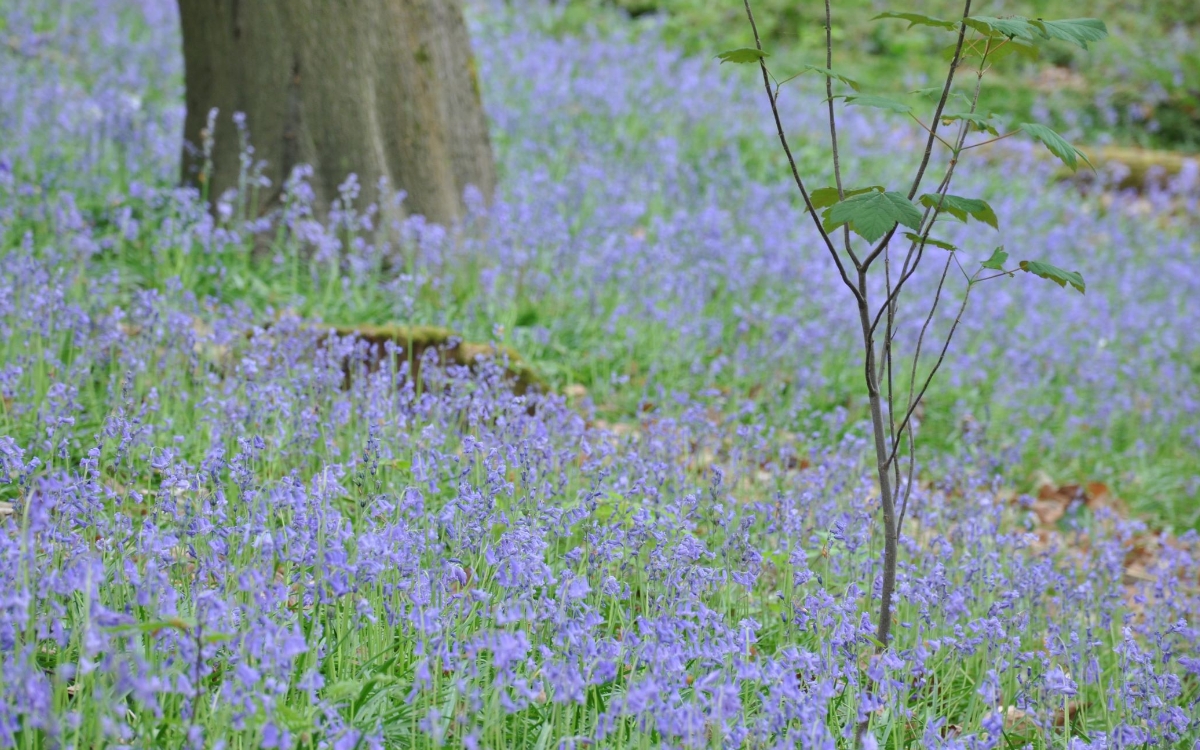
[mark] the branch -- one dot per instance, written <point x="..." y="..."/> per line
<point x="937" y="115"/>
<point x="941" y="357"/>
<point x="927" y="130"/>
<point x="792" y="162"/>
<point x="990" y="141"/>
<point x="907" y="273"/>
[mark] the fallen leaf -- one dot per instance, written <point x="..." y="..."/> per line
<point x="1073" y="709"/>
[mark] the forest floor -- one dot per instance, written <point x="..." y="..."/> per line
<point x="244" y="501"/>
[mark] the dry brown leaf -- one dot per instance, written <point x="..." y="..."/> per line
<point x="1016" y="720"/>
<point x="1049" y="511"/>
<point x="1073" y="709"/>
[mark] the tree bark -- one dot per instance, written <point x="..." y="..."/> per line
<point x="378" y="88"/>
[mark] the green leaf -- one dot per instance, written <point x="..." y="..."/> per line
<point x="872" y="215"/>
<point x="996" y="52"/>
<point x="916" y="19"/>
<point x="742" y="55"/>
<point x="979" y="121"/>
<point x="960" y="208"/>
<point x="831" y="74"/>
<point x="1013" y="28"/>
<point x="1056" y="143"/>
<point x="930" y="241"/>
<point x="996" y="262"/>
<point x="881" y="102"/>
<point x="1078" y="31"/>
<point x="1055" y="274"/>
<point x="827" y="196"/>
<point x="1024" y="49"/>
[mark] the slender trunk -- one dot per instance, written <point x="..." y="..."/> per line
<point x="886" y="499"/>
<point x="890" y="533"/>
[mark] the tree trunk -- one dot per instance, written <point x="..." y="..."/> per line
<point x="378" y="88"/>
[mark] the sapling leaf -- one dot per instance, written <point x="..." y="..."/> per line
<point x="960" y="208"/>
<point x="1055" y="274"/>
<point x="742" y="55"/>
<point x="1013" y="28"/>
<point x="916" y="19"/>
<point x="827" y="196"/>
<point x="995" y="52"/>
<point x="872" y="215"/>
<point x="1024" y="49"/>
<point x="930" y="241"/>
<point x="979" y="121"/>
<point x="996" y="262"/>
<point x="1056" y="143"/>
<point x="834" y="75"/>
<point x="881" y="102"/>
<point x="824" y="197"/>
<point x="1078" y="31"/>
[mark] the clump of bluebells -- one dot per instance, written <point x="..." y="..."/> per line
<point x="223" y="527"/>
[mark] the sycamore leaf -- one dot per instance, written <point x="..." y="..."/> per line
<point x="742" y="55"/>
<point x="979" y="121"/>
<point x="1055" y="274"/>
<point x="996" y="262"/>
<point x="872" y="215"/>
<point x="1024" y="49"/>
<point x="930" y="241"/>
<point x="881" y="102"/>
<point x="831" y="74"/>
<point x="935" y="92"/>
<point x="1056" y="143"/>
<point x="995" y="52"/>
<point x="916" y="19"/>
<point x="1013" y="28"/>
<point x="827" y="196"/>
<point x="960" y="208"/>
<point x="1078" y="31"/>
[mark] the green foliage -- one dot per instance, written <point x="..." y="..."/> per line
<point x="742" y="55"/>
<point x="1056" y="144"/>
<point x="873" y="214"/>
<point x="827" y="196"/>
<point x="917" y="19"/>
<point x="1055" y="274"/>
<point x="880" y="102"/>
<point x="929" y="241"/>
<point x="1143" y="74"/>
<point x="978" y="121"/>
<point x="996" y="261"/>
<point x="1010" y="28"/>
<point x="1077" y="31"/>
<point x="960" y="208"/>
<point x="834" y="75"/>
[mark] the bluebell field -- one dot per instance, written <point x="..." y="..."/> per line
<point x="222" y="527"/>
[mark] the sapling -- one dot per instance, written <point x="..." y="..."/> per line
<point x="859" y="228"/>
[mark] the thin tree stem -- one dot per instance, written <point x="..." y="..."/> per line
<point x="792" y="162"/>
<point x="937" y="115"/>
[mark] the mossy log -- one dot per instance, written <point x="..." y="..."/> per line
<point x="402" y="343"/>
<point x="411" y="342"/>
<point x="1145" y="166"/>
